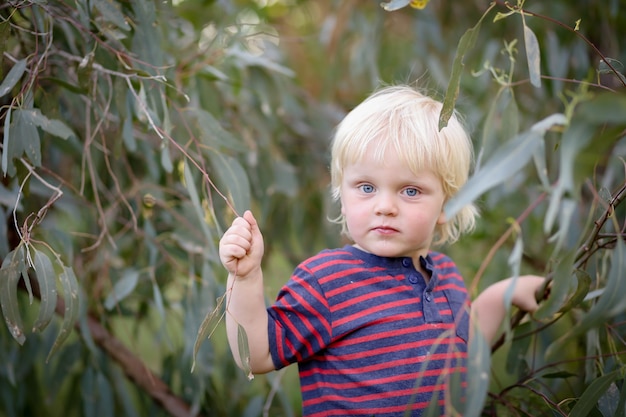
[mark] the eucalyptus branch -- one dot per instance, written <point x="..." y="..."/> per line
<point x="58" y="193"/>
<point x="583" y="255"/>
<point x="503" y="238"/>
<point x="133" y="366"/>
<point x="89" y="138"/>
<point x="569" y="28"/>
<point x="585" y="251"/>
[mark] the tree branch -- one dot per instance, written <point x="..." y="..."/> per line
<point x="132" y="366"/>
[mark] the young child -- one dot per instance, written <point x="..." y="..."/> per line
<point x="379" y="327"/>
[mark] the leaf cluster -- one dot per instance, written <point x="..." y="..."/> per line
<point x="134" y="131"/>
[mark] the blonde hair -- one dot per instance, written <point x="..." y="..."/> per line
<point x="403" y="119"/>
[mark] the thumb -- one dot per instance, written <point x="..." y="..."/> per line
<point x="257" y="237"/>
<point x="249" y="217"/>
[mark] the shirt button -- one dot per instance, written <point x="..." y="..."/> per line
<point x="428" y="297"/>
<point x="406" y="263"/>
<point x="413" y="279"/>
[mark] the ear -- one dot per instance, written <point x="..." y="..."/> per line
<point x="442" y="218"/>
<point x="343" y="210"/>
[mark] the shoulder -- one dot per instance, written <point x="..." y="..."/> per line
<point x="447" y="271"/>
<point x="329" y="259"/>
<point x="442" y="261"/>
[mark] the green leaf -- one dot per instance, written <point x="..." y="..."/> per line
<point x="46" y="278"/>
<point x="575" y="138"/>
<point x="515" y="359"/>
<point x="505" y="162"/>
<point x="583" y="280"/>
<point x="249" y="59"/>
<point x="12" y="267"/>
<point x="122" y="288"/>
<point x="211" y="132"/>
<point x="233" y="179"/>
<point x="533" y="56"/>
<point x="501" y="123"/>
<point x="244" y="351"/>
<point x="610" y="303"/>
<point x="69" y="283"/>
<point x="592" y="394"/>
<point x="478" y="371"/>
<point x="158" y="299"/>
<point x="54" y="127"/>
<point x="12" y="77"/>
<point x="197" y="205"/>
<point x="515" y="262"/>
<point x="559" y="375"/>
<point x="112" y="12"/>
<point x="621" y="405"/>
<point x="25" y="140"/>
<point x="6" y="141"/>
<point x="466" y="43"/>
<point x="603" y="108"/>
<point x="208" y="326"/>
<point x="560" y="289"/>
<point x="166" y="159"/>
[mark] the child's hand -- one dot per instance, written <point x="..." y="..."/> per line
<point x="241" y="247"/>
<point x="524" y="296"/>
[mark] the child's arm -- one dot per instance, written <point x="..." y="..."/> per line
<point x="488" y="308"/>
<point x="241" y="250"/>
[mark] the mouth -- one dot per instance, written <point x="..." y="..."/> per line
<point x="385" y="230"/>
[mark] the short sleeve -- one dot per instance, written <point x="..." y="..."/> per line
<point x="299" y="321"/>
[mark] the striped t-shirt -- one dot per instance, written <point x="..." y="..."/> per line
<point x="370" y="335"/>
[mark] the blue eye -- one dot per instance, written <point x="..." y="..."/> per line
<point x="367" y="188"/>
<point x="411" y="192"/>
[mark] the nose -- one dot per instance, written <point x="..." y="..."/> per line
<point x="386" y="205"/>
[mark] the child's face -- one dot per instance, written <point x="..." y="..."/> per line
<point x="389" y="210"/>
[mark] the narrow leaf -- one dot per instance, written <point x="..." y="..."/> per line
<point x="533" y="56"/>
<point x="515" y="262"/>
<point x="583" y="281"/>
<point x="211" y="131"/>
<point x="244" y="351"/>
<point x="466" y="42"/>
<point x="515" y="359"/>
<point x="208" y="326"/>
<point x="26" y="140"/>
<point x="592" y="394"/>
<point x="233" y="179"/>
<point x="69" y="283"/>
<point x="6" y="141"/>
<point x="158" y="299"/>
<point x="575" y="138"/>
<point x="54" y="127"/>
<point x="478" y="370"/>
<point x="197" y="205"/>
<point x="46" y="278"/>
<point x="122" y="288"/>
<point x="501" y="123"/>
<point x="610" y="303"/>
<point x="505" y="162"/>
<point x="560" y="289"/>
<point x="621" y="405"/>
<point x="12" y="77"/>
<point x="559" y="375"/>
<point x="166" y="159"/>
<point x="10" y="273"/>
<point x="246" y="58"/>
<point x="112" y="12"/>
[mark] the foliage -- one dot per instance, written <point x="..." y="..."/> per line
<point x="134" y="131"/>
